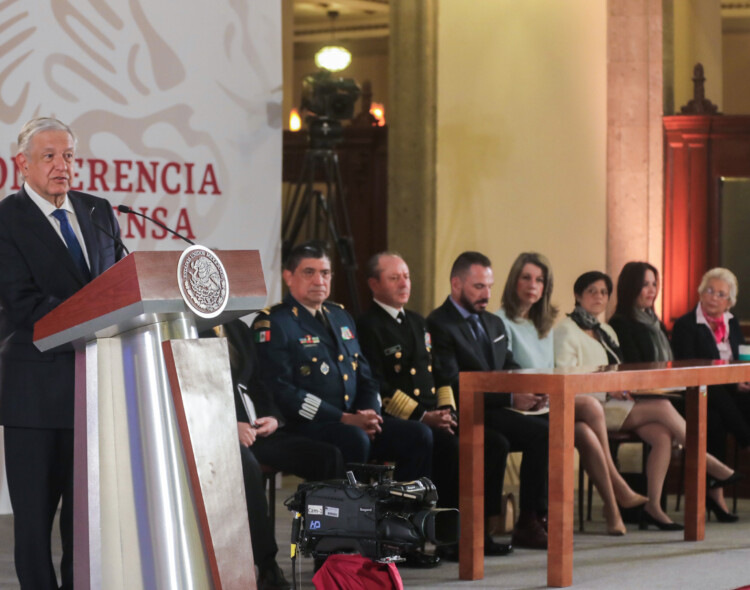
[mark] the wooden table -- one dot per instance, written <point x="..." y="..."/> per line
<point x="563" y="385"/>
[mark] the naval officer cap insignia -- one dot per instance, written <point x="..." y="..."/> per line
<point x="203" y="281"/>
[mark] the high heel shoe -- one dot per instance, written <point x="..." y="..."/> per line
<point x="714" y="483"/>
<point x="721" y="515"/>
<point x="647" y="519"/>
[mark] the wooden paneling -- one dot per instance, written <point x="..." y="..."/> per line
<point x="699" y="150"/>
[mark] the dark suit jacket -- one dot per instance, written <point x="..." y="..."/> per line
<point x="38" y="273"/>
<point x="315" y="375"/>
<point x="635" y="339"/>
<point x="691" y="340"/>
<point x="401" y="360"/>
<point x="243" y="359"/>
<point x="455" y="349"/>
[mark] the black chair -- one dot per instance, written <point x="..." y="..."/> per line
<point x="269" y="482"/>
<point x="735" y="451"/>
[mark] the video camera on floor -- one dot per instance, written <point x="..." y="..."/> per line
<point x="381" y="521"/>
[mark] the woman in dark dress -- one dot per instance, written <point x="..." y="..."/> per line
<point x="643" y="339"/>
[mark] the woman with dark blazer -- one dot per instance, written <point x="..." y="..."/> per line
<point x="711" y="332"/>
<point x="643" y="339"/>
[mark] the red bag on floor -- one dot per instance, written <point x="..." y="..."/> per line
<point x="354" y="572"/>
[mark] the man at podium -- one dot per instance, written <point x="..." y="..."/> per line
<point x="53" y="241"/>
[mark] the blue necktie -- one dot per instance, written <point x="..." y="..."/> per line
<point x="74" y="247"/>
<point x="481" y="337"/>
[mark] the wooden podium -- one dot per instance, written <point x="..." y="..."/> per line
<point x="159" y="498"/>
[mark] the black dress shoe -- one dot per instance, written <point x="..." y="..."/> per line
<point x="419" y="560"/>
<point x="491" y="549"/>
<point x="448" y="552"/>
<point x="721" y="515"/>
<point x="530" y="535"/>
<point x="543" y="520"/>
<point x="272" y="578"/>
<point x="647" y="519"/>
<point x="714" y="483"/>
<point x="494" y="549"/>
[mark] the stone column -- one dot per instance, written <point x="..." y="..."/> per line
<point x="635" y="183"/>
<point x="412" y="143"/>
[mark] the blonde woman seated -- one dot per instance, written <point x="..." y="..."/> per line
<point x="528" y="316"/>
<point x="581" y="340"/>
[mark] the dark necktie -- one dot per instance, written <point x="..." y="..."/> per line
<point x="323" y="320"/>
<point x="400" y="317"/>
<point x="74" y="247"/>
<point x="481" y="337"/>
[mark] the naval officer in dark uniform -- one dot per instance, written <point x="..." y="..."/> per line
<point x="397" y="344"/>
<point x="310" y="358"/>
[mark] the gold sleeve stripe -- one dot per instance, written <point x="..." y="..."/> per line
<point x="401" y="405"/>
<point x="445" y="397"/>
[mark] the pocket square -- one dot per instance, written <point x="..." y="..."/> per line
<point x="499" y="338"/>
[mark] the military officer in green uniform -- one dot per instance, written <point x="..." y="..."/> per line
<point x="311" y="359"/>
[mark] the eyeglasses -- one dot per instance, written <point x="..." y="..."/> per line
<point x="719" y="294"/>
<point x="310" y="273"/>
<point x="593" y="291"/>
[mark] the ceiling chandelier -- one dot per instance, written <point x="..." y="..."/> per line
<point x="333" y="57"/>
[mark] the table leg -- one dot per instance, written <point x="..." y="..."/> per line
<point x="471" y="486"/>
<point x="695" y="464"/>
<point x="561" y="488"/>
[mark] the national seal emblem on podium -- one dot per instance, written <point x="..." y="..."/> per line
<point x="203" y="281"/>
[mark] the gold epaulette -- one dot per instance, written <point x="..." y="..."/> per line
<point x="445" y="397"/>
<point x="336" y="304"/>
<point x="400" y="405"/>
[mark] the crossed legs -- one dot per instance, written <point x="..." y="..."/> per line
<point x="658" y="423"/>
<point x="593" y="447"/>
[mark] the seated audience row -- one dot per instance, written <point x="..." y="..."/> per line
<point x="386" y="388"/>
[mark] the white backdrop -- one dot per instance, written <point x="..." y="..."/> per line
<point x="177" y="106"/>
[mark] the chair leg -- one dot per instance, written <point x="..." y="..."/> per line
<point x="681" y="483"/>
<point x="272" y="497"/>
<point x="590" y="498"/>
<point x="580" y="496"/>
<point x="734" y="487"/>
<point x="269" y="481"/>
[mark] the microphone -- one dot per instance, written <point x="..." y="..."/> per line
<point x="104" y="231"/>
<point x="126" y="209"/>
